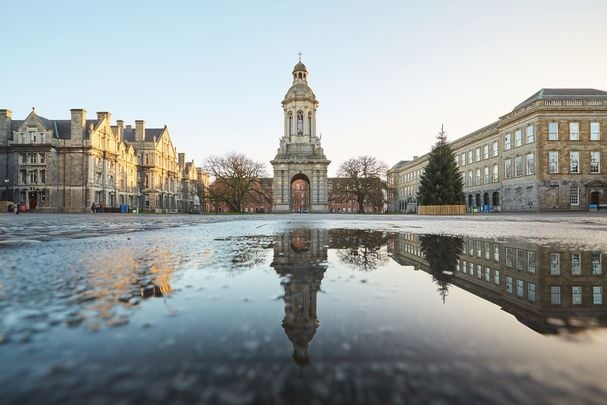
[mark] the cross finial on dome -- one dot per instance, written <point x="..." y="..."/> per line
<point x="299" y="53"/>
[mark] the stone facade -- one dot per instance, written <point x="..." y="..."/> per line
<point x="548" y="154"/>
<point x="67" y="165"/>
<point x="300" y="160"/>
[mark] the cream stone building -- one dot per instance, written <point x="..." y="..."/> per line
<point x="547" y="154"/>
<point x="300" y="165"/>
<point x="67" y="165"/>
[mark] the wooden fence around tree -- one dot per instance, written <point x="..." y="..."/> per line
<point x="441" y="209"/>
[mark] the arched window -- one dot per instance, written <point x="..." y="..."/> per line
<point x="290" y="123"/>
<point x="299" y="123"/>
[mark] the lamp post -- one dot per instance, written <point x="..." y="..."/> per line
<point x="6" y="181"/>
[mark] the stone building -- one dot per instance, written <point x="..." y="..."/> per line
<point x="300" y="165"/>
<point x="544" y="155"/>
<point x="67" y="165"/>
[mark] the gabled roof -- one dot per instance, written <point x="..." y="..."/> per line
<point x="547" y="94"/>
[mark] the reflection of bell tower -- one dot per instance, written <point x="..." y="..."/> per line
<point x="300" y="156"/>
<point x="300" y="258"/>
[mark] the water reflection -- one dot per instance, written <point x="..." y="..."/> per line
<point x="300" y="259"/>
<point x="441" y="253"/>
<point x="364" y="249"/>
<point x="551" y="289"/>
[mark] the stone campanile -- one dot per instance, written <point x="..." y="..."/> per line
<point x="300" y="165"/>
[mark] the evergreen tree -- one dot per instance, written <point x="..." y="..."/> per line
<point x="441" y="183"/>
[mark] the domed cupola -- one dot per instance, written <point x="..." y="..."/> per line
<point x="300" y="72"/>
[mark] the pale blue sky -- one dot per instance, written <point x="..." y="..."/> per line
<point x="387" y="73"/>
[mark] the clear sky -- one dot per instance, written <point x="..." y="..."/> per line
<point x="387" y="73"/>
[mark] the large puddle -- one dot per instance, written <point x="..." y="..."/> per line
<point x="252" y="312"/>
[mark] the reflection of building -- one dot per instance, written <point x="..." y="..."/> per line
<point x="300" y="258"/>
<point x="546" y="154"/>
<point x="544" y="287"/>
<point x="300" y="159"/>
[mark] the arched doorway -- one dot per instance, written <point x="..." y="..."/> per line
<point x="496" y="199"/>
<point x="478" y="200"/>
<point x="300" y="193"/>
<point x="470" y="200"/>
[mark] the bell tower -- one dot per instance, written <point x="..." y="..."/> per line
<point x="300" y="165"/>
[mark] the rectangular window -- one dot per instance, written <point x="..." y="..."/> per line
<point x="496" y="277"/>
<point x="596" y="263"/>
<point x="470" y="178"/>
<point x="463" y="159"/>
<point x="495" y="149"/>
<point x="477" y="179"/>
<point x="553" y="162"/>
<point x="576" y="264"/>
<point x="574" y="162"/>
<point x="518" y="138"/>
<point x="465" y="269"/>
<point x="41" y="158"/>
<point x="531" y="289"/>
<point x="595" y="131"/>
<point x="33" y="177"/>
<point x="23" y="158"/>
<point x="509" y="257"/>
<point x="486" y="152"/>
<point x="32" y="157"/>
<point x="487" y="251"/>
<point x="496" y="175"/>
<point x="518" y="166"/>
<point x="23" y="176"/>
<point x="496" y="253"/>
<point x="520" y="288"/>
<point x="553" y="131"/>
<point x="469" y="157"/>
<point x="471" y="247"/>
<point x="595" y="162"/>
<point x="487" y="274"/>
<point x="479" y="249"/>
<point x="555" y="265"/>
<point x="597" y="295"/>
<point x="507" y="141"/>
<point x="574" y="131"/>
<point x="520" y="259"/>
<point x="555" y="295"/>
<point x="477" y="154"/>
<point x="509" y="284"/>
<point x="479" y="271"/>
<point x="531" y="262"/>
<point x="530" y="163"/>
<point x="574" y="195"/>
<point x="530" y="135"/>
<point x="507" y="168"/>
<point x="576" y="295"/>
<point x="42" y="176"/>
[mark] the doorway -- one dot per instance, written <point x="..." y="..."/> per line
<point x="33" y="200"/>
<point x="300" y="194"/>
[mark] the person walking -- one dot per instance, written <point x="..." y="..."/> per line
<point x="93" y="208"/>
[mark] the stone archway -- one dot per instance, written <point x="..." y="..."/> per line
<point x="300" y="194"/>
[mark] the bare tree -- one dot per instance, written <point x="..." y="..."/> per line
<point x="237" y="178"/>
<point x="361" y="179"/>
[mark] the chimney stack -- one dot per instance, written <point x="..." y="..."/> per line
<point x="103" y="114"/>
<point x="181" y="159"/>
<point x="120" y="130"/>
<point x="78" y="123"/>
<point x="5" y="126"/>
<point x="139" y="130"/>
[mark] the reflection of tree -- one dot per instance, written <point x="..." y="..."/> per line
<point x="365" y="249"/>
<point x="442" y="253"/>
